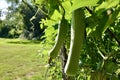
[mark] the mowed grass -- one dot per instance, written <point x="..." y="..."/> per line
<point x="19" y="60"/>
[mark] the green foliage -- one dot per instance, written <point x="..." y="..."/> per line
<point x="107" y="4"/>
<point x="50" y="34"/>
<point x="13" y="26"/>
<point x="4" y="30"/>
<point x="81" y="3"/>
<point x="67" y="6"/>
<point x="101" y="44"/>
<point x="23" y="19"/>
<point x="54" y="71"/>
<point x="31" y="18"/>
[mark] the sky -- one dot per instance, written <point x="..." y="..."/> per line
<point x="3" y="7"/>
<point x="3" y="4"/>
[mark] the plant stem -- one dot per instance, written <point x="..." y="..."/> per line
<point x="64" y="57"/>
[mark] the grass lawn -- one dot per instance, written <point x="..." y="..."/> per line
<point x="19" y="60"/>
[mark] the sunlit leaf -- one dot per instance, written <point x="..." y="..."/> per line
<point x="49" y="30"/>
<point x="49" y="23"/>
<point x="67" y="7"/>
<point x="56" y="15"/>
<point x="108" y="4"/>
<point x="82" y="3"/>
<point x="54" y="19"/>
<point x="50" y="33"/>
<point x="105" y="22"/>
<point x="38" y="1"/>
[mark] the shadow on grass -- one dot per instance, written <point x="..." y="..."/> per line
<point x="24" y="42"/>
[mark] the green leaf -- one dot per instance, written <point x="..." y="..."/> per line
<point x="105" y="22"/>
<point x="56" y="15"/>
<point x="82" y="3"/>
<point x="49" y="23"/>
<point x="107" y="4"/>
<point x="50" y="33"/>
<point x="67" y="7"/>
<point x="111" y="19"/>
<point x="54" y="19"/>
<point x="111" y="67"/>
<point x="38" y="1"/>
<point x="118" y="15"/>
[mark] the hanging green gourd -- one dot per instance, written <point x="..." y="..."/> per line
<point x="62" y="31"/>
<point x="77" y="36"/>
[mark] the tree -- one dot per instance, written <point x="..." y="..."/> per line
<point x="12" y="26"/>
<point x="23" y="19"/>
<point x="32" y="17"/>
<point x="99" y="58"/>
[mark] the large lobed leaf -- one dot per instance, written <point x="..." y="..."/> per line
<point x="83" y="3"/>
<point x="107" y="4"/>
